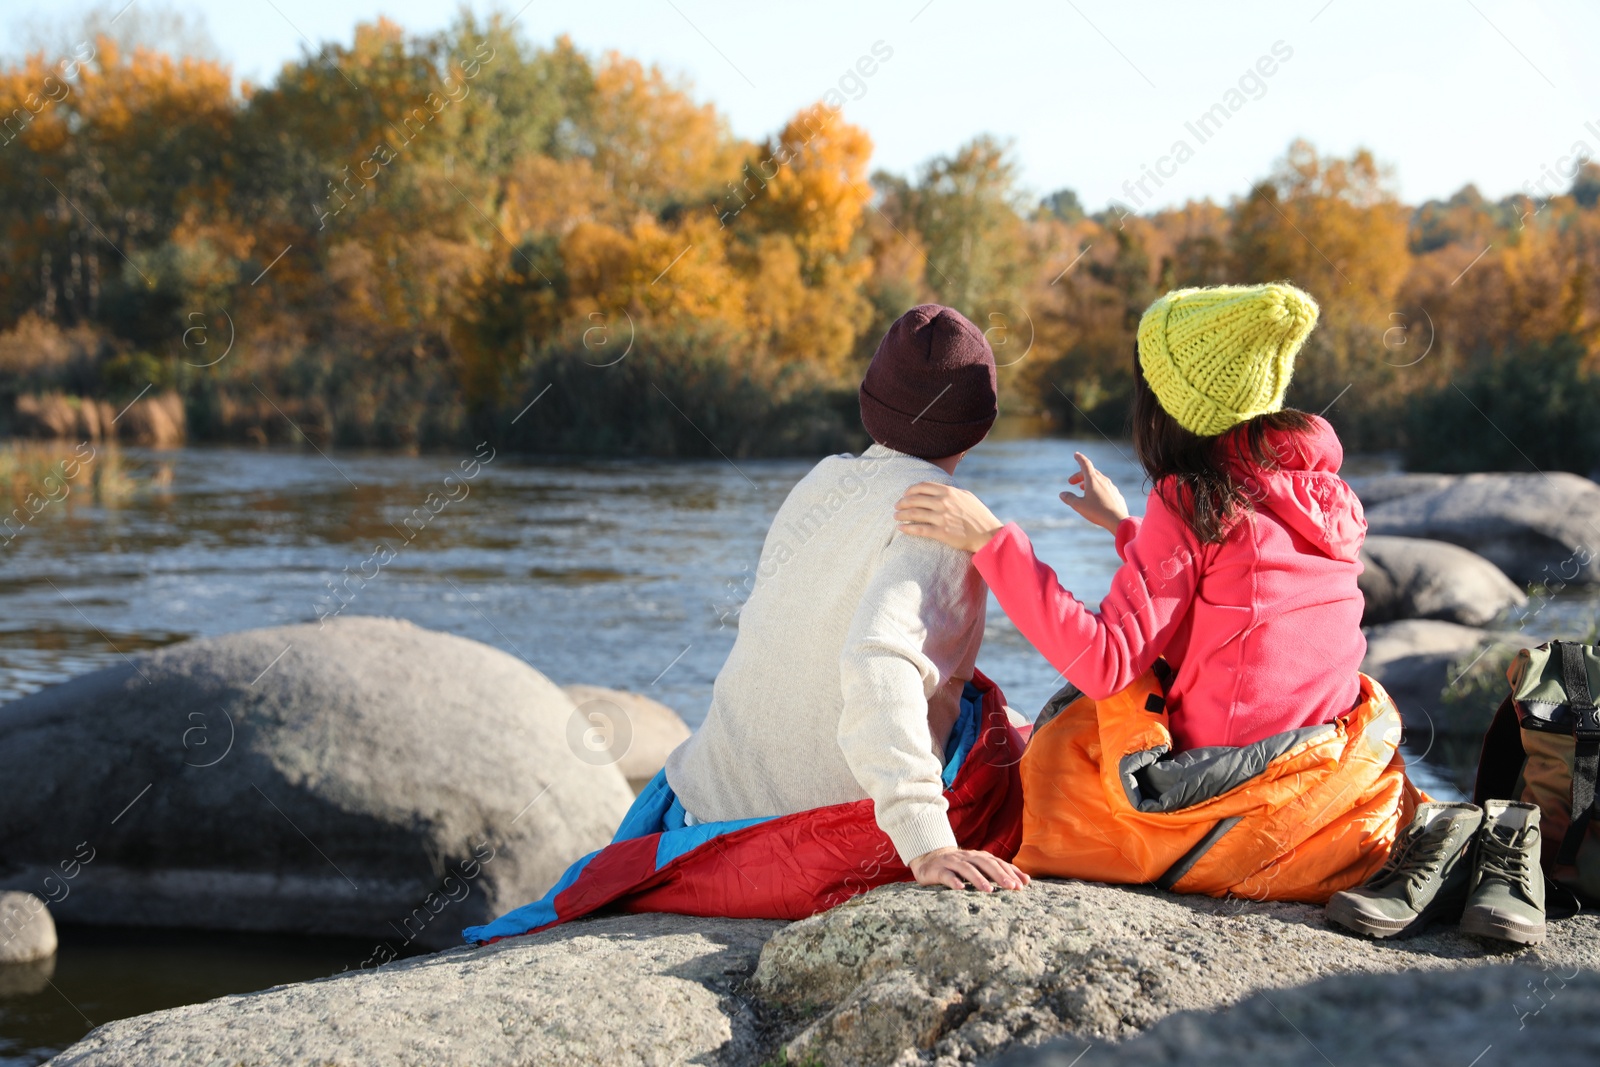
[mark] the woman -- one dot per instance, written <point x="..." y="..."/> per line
<point x="1242" y="573"/>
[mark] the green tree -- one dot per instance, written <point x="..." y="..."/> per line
<point x="1063" y="204"/>
<point x="1529" y="408"/>
<point x="964" y="210"/>
<point x="1586" y="185"/>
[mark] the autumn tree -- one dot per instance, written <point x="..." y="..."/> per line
<point x="1335" y="228"/>
<point x="417" y="234"/>
<point x="965" y="210"/>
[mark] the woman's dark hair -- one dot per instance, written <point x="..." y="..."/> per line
<point x="1191" y="472"/>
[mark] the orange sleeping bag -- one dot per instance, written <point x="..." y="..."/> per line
<point x="1298" y="816"/>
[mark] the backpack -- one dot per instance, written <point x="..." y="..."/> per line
<point x="1544" y="748"/>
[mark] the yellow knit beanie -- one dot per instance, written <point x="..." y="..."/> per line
<point x="1220" y="356"/>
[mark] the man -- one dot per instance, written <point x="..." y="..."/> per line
<point x="857" y="640"/>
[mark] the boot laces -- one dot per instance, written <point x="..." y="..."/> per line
<point x="1416" y="856"/>
<point x="1502" y="855"/>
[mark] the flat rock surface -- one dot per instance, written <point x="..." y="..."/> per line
<point x="901" y="975"/>
<point x="367" y="777"/>
<point x="648" y="989"/>
<point x="1482" y="1017"/>
<point x="960" y="977"/>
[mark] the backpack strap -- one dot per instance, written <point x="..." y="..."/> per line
<point x="1502" y="757"/>
<point x="1586" y="748"/>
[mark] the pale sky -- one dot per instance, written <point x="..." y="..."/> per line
<point x="1089" y="91"/>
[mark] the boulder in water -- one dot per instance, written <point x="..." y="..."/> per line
<point x="1417" y="659"/>
<point x="633" y="731"/>
<point x="1413" y="578"/>
<point x="1381" y="488"/>
<point x="1541" y="528"/>
<point x="364" y="777"/>
<point x="27" y="933"/>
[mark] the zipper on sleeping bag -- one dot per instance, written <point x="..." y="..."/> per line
<point x="1175" y="873"/>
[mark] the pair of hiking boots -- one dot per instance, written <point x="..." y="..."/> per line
<point x="1455" y="862"/>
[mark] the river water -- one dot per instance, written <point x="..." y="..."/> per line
<point x="615" y="573"/>
<point x="624" y="574"/>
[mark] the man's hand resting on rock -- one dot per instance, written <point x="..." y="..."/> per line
<point x="959" y="867"/>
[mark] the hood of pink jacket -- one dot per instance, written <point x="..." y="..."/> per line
<point x="1306" y="492"/>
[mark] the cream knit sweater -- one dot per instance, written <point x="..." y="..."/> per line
<point x="850" y="629"/>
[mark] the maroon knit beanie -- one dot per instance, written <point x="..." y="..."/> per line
<point x="930" y="390"/>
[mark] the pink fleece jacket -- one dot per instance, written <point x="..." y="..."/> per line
<point x="1263" y="630"/>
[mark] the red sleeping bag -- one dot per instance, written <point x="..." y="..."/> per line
<point x="787" y="867"/>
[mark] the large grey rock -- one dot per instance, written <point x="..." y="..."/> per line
<point x="1413" y="578"/>
<point x="27" y="932"/>
<point x="1382" y="488"/>
<point x="367" y="777"/>
<point x="1536" y="527"/>
<point x="960" y="977"/>
<point x="635" y="732"/>
<point x="1417" y="659"/>
<point x="901" y="975"/>
<point x="1526" y="1015"/>
<point x="648" y="989"/>
<point x="26" y="979"/>
<point x="1447" y="680"/>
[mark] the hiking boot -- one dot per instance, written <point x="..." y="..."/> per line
<point x="1506" y="898"/>
<point x="1426" y="876"/>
